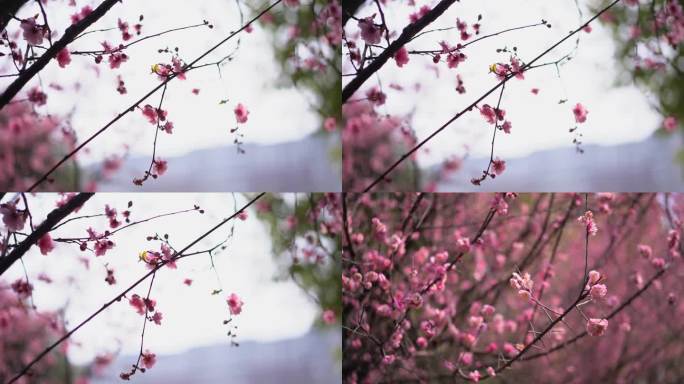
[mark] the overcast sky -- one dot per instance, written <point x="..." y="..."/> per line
<point x="277" y="113"/>
<point x="617" y="114"/>
<point x="191" y="315"/>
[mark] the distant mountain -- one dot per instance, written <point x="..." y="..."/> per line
<point x="311" y="358"/>
<point x="305" y="165"/>
<point x="646" y="166"/>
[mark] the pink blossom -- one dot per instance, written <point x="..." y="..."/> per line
<point x="36" y="96"/>
<point x="658" y="262"/>
<point x="102" y="246"/>
<point x="488" y="113"/>
<point x="157" y="318"/>
<point x="645" y="251"/>
<point x="33" y="33"/>
<point x="241" y="113"/>
<point x="580" y="113"/>
<point x="137" y="302"/>
<point x="46" y="244"/>
<point x="462" y="244"/>
<point x="13" y="219"/>
<point x="424" y="10"/>
<point x="376" y="96"/>
<point x="242" y="215"/>
<point x="474" y="376"/>
<point x="329" y="317"/>
<point x="78" y="16"/>
<point x="498" y="166"/>
<point x="116" y="59"/>
<point x="151" y="113"/>
<point x="234" y="304"/>
<point x="487" y="311"/>
<point x="670" y="124"/>
<point x="160" y="166"/>
<point x="388" y="359"/>
<point x="370" y="32"/>
<point x="460" y="87"/>
<point x="110" y="279"/>
<point x="588" y="220"/>
<point x="22" y="288"/>
<point x="466" y="358"/>
<point x="594" y="277"/>
<point x="597" y="327"/>
<point x="454" y="59"/>
<point x="148" y="359"/>
<point x="401" y="57"/>
<point x="168" y="127"/>
<point x="535" y="91"/>
<point x="516" y="68"/>
<point x="63" y="57"/>
<point x="598" y="291"/>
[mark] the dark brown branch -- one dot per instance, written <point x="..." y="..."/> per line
<point x="9" y="9"/>
<point x="406" y="35"/>
<point x="610" y="316"/>
<point x="349" y="8"/>
<point x="69" y="35"/>
<point x="52" y="219"/>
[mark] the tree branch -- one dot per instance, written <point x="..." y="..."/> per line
<point x="473" y="104"/>
<point x="69" y="35"/>
<point x="52" y="219"/>
<point x="148" y="94"/>
<point x="406" y="35"/>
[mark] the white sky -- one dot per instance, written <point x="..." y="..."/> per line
<point x="191" y="315"/>
<point x="277" y="113"/>
<point x="616" y="114"/>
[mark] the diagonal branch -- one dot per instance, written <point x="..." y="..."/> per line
<point x="176" y="256"/>
<point x="9" y="8"/>
<point x="187" y="67"/>
<point x="52" y="219"/>
<point x="69" y="35"/>
<point x="406" y="35"/>
<point x="484" y="96"/>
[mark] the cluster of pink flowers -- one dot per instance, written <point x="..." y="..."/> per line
<point x="371" y="33"/>
<point x="588" y="220"/>
<point x="13" y="218"/>
<point x="424" y="300"/>
<point x="32" y="31"/>
<point x="24" y="332"/>
<point x="523" y="284"/>
<point x="30" y="143"/>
